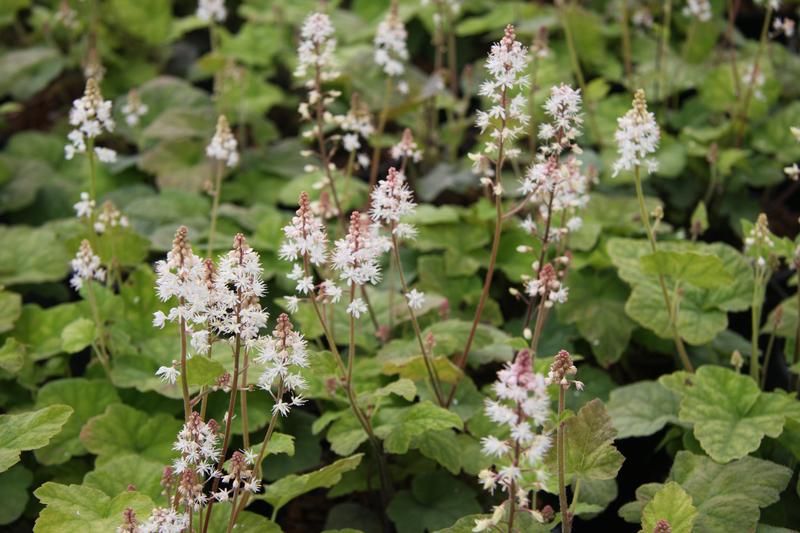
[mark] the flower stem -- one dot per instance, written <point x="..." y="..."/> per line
<point x="187" y="409"/>
<point x="626" y="43"/>
<point x="748" y="95"/>
<point x="376" y="149"/>
<point x="566" y="519"/>
<point x="426" y="356"/>
<point x="684" y="357"/>
<point x="215" y="206"/>
<point x="461" y="362"/>
<point x="755" y="321"/>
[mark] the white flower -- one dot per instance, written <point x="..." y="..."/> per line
<point x="416" y="299"/>
<point x="90" y="116"/>
<point x="168" y="374"/>
<point x="350" y="142"/>
<point x="521" y="408"/>
<point x="317" y="47"/>
<point x="306" y="236"/>
<point x="356" y="308"/>
<point x="223" y="145"/>
<point x="507" y="65"/>
<point x="356" y="255"/>
<point x="85" y="266"/>
<point x="390" y="44"/>
<point x="281" y="356"/>
<point x="391" y="198"/>
<point x="699" y="9"/>
<point x="331" y="291"/>
<point x="134" y="109"/>
<point x="85" y="207"/>
<point x="407" y="148"/>
<point x="292" y="304"/>
<point x="211" y="10"/>
<point x="637" y="137"/>
<point x="494" y="447"/>
<point x="105" y="155"/>
<point x="165" y="520"/>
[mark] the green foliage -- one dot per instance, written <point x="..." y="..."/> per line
<point x="670" y="503"/>
<point x="29" y="431"/>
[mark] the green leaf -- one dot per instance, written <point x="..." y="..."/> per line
<point x="727" y="497"/>
<point x="29" y="431"/>
<point x="10" y="309"/>
<point x="590" y="453"/>
<point x="203" y="371"/>
<point x="701" y="270"/>
<point x="148" y="20"/>
<point x="32" y="255"/>
<point x="12" y="356"/>
<point x="670" y="503"/>
<point x="26" y="71"/>
<point x="642" y="408"/>
<point x="403" y="387"/>
<point x="14" y="494"/>
<point x="435" y="501"/>
<point x="115" y="475"/>
<point x="700" y="218"/>
<point x="285" y="490"/>
<point x="280" y="443"/>
<point x="398" y="426"/>
<point x="730" y="414"/>
<point x="597" y="306"/>
<point x="443" y="446"/>
<point x="123" y="429"/>
<point x="78" y="335"/>
<point x="39" y="330"/>
<point x="85" y="509"/>
<point x="87" y="398"/>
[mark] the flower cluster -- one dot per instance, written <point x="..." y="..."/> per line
<point x="164" y="520"/>
<point x="548" y="286"/>
<point x="197" y="444"/>
<point x="391" y="51"/>
<point x="222" y="301"/>
<point x="90" y="116"/>
<point x="223" y="145"/>
<point x="507" y="65"/>
<point x="407" y="148"/>
<point x="784" y="26"/>
<point x="521" y="409"/>
<point x="316" y="49"/>
<point x="392" y="199"/>
<point x="560" y="371"/>
<point x="759" y="243"/>
<point x="109" y="217"/>
<point x="356" y="256"/>
<point x="134" y="109"/>
<point x="85" y="207"/>
<point x="211" y="10"/>
<point x="282" y="354"/>
<point x="306" y="236"/>
<point x="699" y="9"/>
<point x="637" y="137"/>
<point x="240" y="477"/>
<point x="85" y="266"/>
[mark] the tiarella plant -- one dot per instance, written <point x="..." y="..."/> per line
<point x="490" y="276"/>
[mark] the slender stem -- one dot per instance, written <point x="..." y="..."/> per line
<point x="218" y="171"/>
<point x="92" y="172"/>
<point x="187" y="408"/>
<point x="100" y="349"/>
<point x="323" y="152"/>
<point x="229" y="419"/>
<point x="351" y="347"/>
<point x="566" y="519"/>
<point x="768" y="352"/>
<point x="461" y="362"/>
<point x="755" y="321"/>
<point x="376" y="149"/>
<point x="426" y="356"/>
<point x="748" y="95"/>
<point x="684" y="357"/>
<point x="243" y="400"/>
<point x="575" y="495"/>
<point x="733" y="10"/>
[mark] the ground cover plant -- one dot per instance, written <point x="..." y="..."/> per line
<point x="380" y="265"/>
